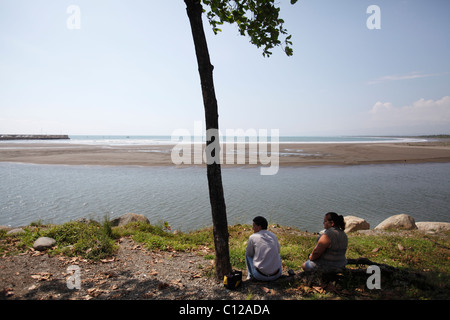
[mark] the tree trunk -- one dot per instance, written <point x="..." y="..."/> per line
<point x="219" y="215"/>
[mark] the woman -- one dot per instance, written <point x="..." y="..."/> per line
<point x="329" y="252"/>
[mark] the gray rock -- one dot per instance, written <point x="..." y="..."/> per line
<point x="44" y="243"/>
<point x="353" y="224"/>
<point x="433" y="227"/>
<point x="15" y="231"/>
<point x="128" y="218"/>
<point x="399" y="221"/>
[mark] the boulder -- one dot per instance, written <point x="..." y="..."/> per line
<point x="433" y="227"/>
<point x="353" y="223"/>
<point x="15" y="231"/>
<point x="128" y="218"/>
<point x="43" y="243"/>
<point x="399" y="221"/>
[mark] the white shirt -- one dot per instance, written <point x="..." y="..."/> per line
<point x="263" y="246"/>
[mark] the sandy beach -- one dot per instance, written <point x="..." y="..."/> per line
<point x="290" y="154"/>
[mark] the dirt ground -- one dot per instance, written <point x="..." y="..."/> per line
<point x="132" y="274"/>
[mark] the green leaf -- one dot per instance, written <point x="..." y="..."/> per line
<point x="257" y="19"/>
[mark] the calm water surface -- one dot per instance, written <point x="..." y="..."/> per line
<point x="295" y="196"/>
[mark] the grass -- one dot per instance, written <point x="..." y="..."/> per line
<point x="425" y="257"/>
<point x="415" y="251"/>
<point x="91" y="241"/>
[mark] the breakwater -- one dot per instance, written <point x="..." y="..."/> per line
<point x="33" y="136"/>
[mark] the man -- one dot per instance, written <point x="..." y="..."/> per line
<point x="263" y="253"/>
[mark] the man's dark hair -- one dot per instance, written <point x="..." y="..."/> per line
<point x="261" y="221"/>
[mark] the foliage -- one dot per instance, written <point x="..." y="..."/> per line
<point x="87" y="240"/>
<point x="406" y="251"/>
<point x="159" y="237"/>
<point x="257" y="19"/>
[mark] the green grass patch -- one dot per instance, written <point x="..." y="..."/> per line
<point x="159" y="237"/>
<point x="91" y="241"/>
<point x="414" y="250"/>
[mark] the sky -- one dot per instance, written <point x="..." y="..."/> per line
<point x="117" y="67"/>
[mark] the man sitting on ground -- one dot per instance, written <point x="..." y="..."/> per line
<point x="263" y="253"/>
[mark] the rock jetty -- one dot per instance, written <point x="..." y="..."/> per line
<point x="34" y="137"/>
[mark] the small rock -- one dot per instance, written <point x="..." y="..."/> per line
<point x="15" y="231"/>
<point x="44" y="243"/>
<point x="128" y="218"/>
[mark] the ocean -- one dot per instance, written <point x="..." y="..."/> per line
<point x="123" y="140"/>
<point x="297" y="197"/>
<point x="152" y="140"/>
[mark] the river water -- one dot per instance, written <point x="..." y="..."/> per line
<point x="294" y="196"/>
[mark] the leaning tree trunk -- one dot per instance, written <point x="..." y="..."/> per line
<point x="218" y="208"/>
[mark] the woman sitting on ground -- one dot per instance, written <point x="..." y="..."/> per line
<point x="329" y="252"/>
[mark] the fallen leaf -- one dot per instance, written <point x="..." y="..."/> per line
<point x="41" y="276"/>
<point x="8" y="292"/>
<point x="266" y="290"/>
<point x="177" y="283"/>
<point x="95" y="292"/>
<point x="319" y="289"/>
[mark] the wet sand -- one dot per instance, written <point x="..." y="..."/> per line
<point x="290" y="154"/>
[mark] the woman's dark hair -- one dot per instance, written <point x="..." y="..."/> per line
<point x="337" y="219"/>
<point x="261" y="221"/>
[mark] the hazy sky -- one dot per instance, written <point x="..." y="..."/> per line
<point x="130" y="69"/>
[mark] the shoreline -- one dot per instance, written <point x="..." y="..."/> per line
<point x="290" y="154"/>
